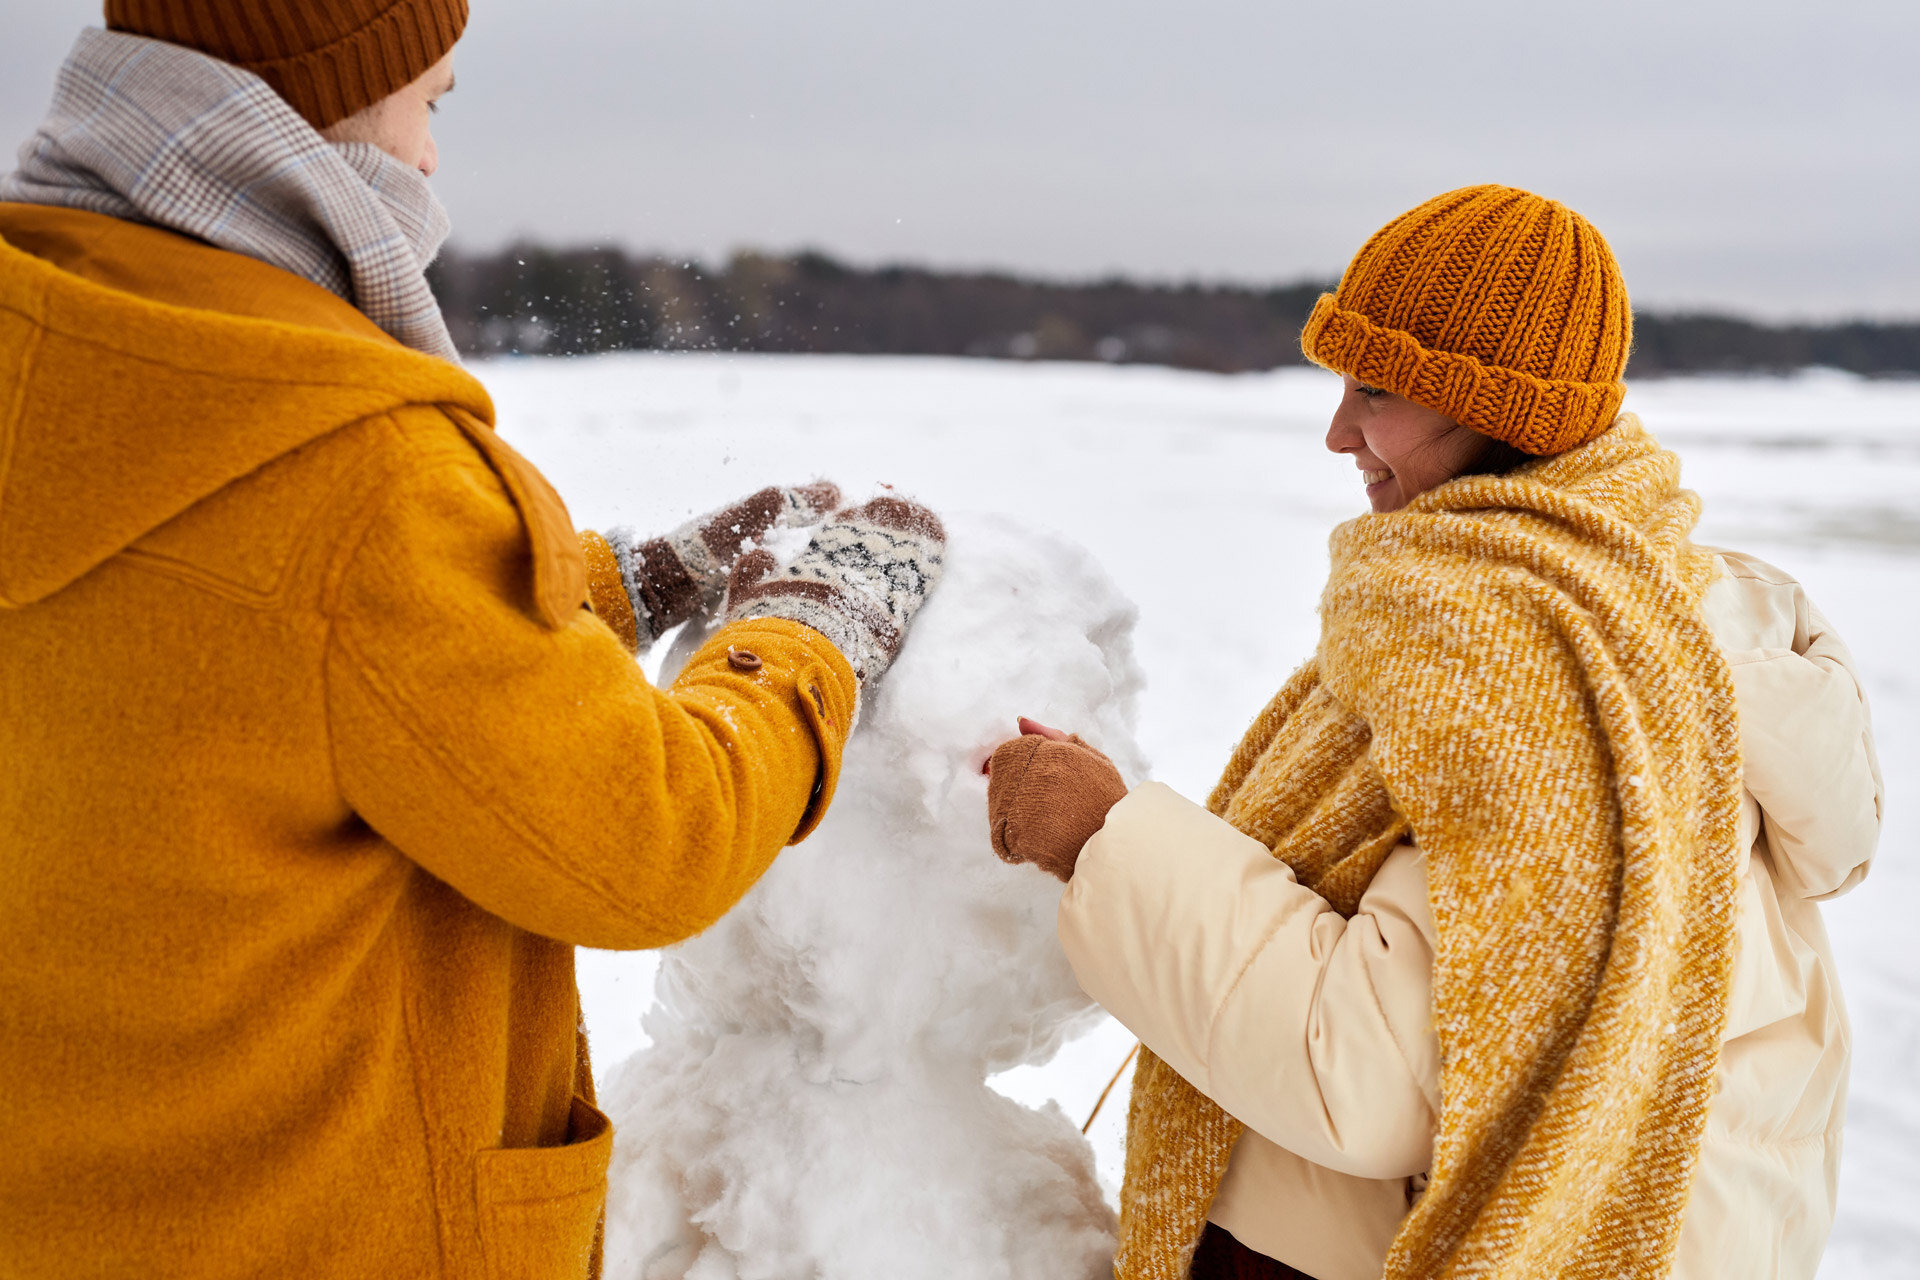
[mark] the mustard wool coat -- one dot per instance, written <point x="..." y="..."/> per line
<point x="313" y="770"/>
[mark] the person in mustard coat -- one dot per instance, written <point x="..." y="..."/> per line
<point x="324" y="743"/>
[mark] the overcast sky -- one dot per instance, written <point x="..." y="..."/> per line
<point x="1761" y="156"/>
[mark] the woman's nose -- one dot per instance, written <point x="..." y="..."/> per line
<point x="1343" y="434"/>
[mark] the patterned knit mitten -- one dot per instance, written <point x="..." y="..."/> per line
<point x="859" y="582"/>
<point x="670" y="579"/>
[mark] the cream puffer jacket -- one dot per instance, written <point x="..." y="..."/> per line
<point x="1317" y="1031"/>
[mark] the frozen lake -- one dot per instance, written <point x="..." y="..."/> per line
<point x="1192" y="489"/>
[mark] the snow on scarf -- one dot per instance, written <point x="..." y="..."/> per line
<point x="1514" y="670"/>
<point x="152" y="132"/>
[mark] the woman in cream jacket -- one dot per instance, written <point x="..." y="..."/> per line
<point x="1316" y="1028"/>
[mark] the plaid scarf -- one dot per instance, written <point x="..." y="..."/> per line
<point x="152" y="132"/>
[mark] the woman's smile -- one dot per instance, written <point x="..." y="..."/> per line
<point x="1401" y="447"/>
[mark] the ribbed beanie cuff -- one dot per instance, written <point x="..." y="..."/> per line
<point x="1534" y="415"/>
<point x="1501" y="309"/>
<point x="327" y="58"/>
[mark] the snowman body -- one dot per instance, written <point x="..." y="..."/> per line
<point x="814" y="1101"/>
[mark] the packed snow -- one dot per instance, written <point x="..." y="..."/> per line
<point x="1208" y="500"/>
<point x="814" y="1102"/>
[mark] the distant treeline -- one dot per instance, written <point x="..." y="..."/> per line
<point x="574" y="302"/>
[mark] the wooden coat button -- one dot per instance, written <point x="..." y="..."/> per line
<point x="744" y="659"/>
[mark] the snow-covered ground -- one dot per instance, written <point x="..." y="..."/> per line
<point x="1209" y="500"/>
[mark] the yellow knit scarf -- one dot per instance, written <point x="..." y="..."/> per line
<point x="1514" y="671"/>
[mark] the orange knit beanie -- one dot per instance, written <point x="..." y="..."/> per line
<point x="1499" y="308"/>
<point x="328" y="58"/>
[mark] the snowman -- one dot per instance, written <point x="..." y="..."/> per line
<point x="814" y="1102"/>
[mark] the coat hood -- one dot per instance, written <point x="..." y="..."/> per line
<point x="118" y="413"/>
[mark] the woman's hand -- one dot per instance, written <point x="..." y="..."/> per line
<point x="1047" y="793"/>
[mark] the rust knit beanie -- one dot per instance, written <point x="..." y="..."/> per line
<point x="1499" y="308"/>
<point x="328" y="58"/>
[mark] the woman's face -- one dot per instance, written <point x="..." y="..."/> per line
<point x="401" y="124"/>
<point x="1401" y="448"/>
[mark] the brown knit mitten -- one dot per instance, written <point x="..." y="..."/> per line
<point x="859" y="582"/>
<point x="1045" y="800"/>
<point x="670" y="579"/>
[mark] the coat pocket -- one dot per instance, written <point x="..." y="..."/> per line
<point x="540" y="1207"/>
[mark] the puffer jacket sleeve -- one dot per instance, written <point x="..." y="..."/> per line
<point x="1807" y="756"/>
<point x="525" y="759"/>
<point x="1314" y="1030"/>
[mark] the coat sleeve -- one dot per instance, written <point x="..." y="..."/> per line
<point x="1807" y="756"/>
<point x="523" y="757"/>
<point x="1313" y="1030"/>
